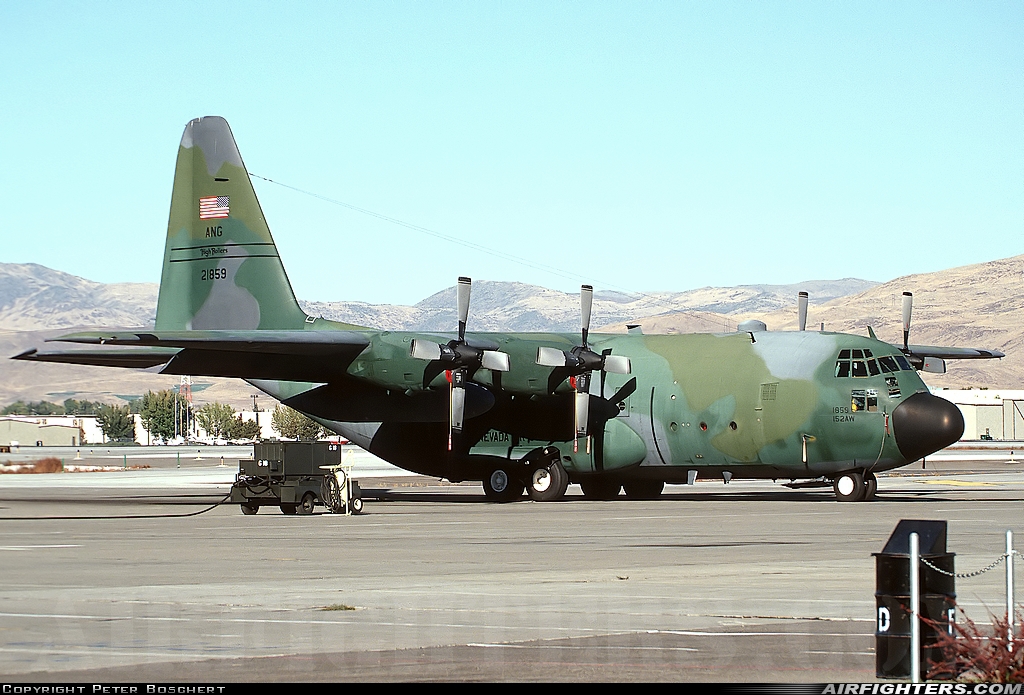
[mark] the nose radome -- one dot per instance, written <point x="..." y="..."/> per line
<point x="924" y="423"/>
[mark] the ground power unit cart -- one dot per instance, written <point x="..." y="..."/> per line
<point x="295" y="476"/>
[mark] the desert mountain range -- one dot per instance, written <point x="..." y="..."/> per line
<point x="972" y="306"/>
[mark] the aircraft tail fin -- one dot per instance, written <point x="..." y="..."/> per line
<point x="221" y="267"/>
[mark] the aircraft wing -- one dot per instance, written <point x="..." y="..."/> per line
<point x="285" y="355"/>
<point x="953" y="353"/>
<point x="931" y="358"/>
<point x="922" y="352"/>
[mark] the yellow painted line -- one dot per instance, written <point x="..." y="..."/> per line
<point x="959" y="483"/>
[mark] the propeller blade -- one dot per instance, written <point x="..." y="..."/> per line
<point x="462" y="296"/>
<point x="801" y="301"/>
<point x="625" y="392"/>
<point x="604" y="373"/>
<point x="425" y="350"/>
<point x="581" y="408"/>
<point x="494" y="360"/>
<point x="908" y="307"/>
<point x="458" y="409"/>
<point x="616" y="364"/>
<point x="586" y="302"/>
<point x="456" y="403"/>
<point x="550" y="357"/>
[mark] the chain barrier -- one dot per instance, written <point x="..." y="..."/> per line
<point x="968" y="575"/>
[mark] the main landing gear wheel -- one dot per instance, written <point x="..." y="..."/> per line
<point x="600" y="489"/>
<point x="548" y="483"/>
<point x="871" y="485"/>
<point x="501" y="486"/>
<point x="850" y="487"/>
<point x="250" y="509"/>
<point x="643" y="489"/>
<point x="307" y="504"/>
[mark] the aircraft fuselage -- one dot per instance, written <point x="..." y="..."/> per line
<point x="744" y="405"/>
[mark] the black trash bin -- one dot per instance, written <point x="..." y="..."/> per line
<point x="892" y="597"/>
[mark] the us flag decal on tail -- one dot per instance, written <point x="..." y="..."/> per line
<point x="213" y="207"/>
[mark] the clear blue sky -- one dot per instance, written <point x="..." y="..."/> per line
<point x="644" y="146"/>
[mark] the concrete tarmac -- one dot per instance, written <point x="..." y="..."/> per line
<point x="136" y="576"/>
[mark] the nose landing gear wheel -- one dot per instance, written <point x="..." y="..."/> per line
<point x="871" y="484"/>
<point x="850" y="487"/>
<point x="502" y="486"/>
<point x="548" y="483"/>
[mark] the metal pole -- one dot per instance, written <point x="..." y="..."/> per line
<point x="1009" y="590"/>
<point x="915" y="610"/>
<point x="348" y="478"/>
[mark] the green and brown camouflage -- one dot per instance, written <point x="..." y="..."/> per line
<point x="221" y="268"/>
<point x="824" y="407"/>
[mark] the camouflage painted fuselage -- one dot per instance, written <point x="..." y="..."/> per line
<point x="753" y="405"/>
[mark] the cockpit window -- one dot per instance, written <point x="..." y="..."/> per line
<point x="888" y="364"/>
<point x="861" y="363"/>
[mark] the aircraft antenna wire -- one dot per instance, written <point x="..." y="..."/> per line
<point x="656" y="301"/>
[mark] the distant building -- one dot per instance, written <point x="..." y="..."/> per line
<point x="996" y="414"/>
<point x="49" y="430"/>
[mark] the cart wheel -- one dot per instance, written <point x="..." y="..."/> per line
<point x="288" y="508"/>
<point x="308" y="502"/>
<point x="356" y="505"/>
<point x="250" y="509"/>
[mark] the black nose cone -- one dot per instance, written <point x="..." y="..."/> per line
<point x="924" y="423"/>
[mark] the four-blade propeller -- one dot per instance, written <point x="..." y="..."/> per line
<point x="458" y="358"/>
<point x="579" y="363"/>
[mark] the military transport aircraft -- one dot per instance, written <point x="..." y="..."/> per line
<point x="515" y="411"/>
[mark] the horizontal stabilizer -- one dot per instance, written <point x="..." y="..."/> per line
<point x="141" y="358"/>
<point x="283" y="355"/>
<point x="279" y="342"/>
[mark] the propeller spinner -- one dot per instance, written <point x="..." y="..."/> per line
<point x="458" y="359"/>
